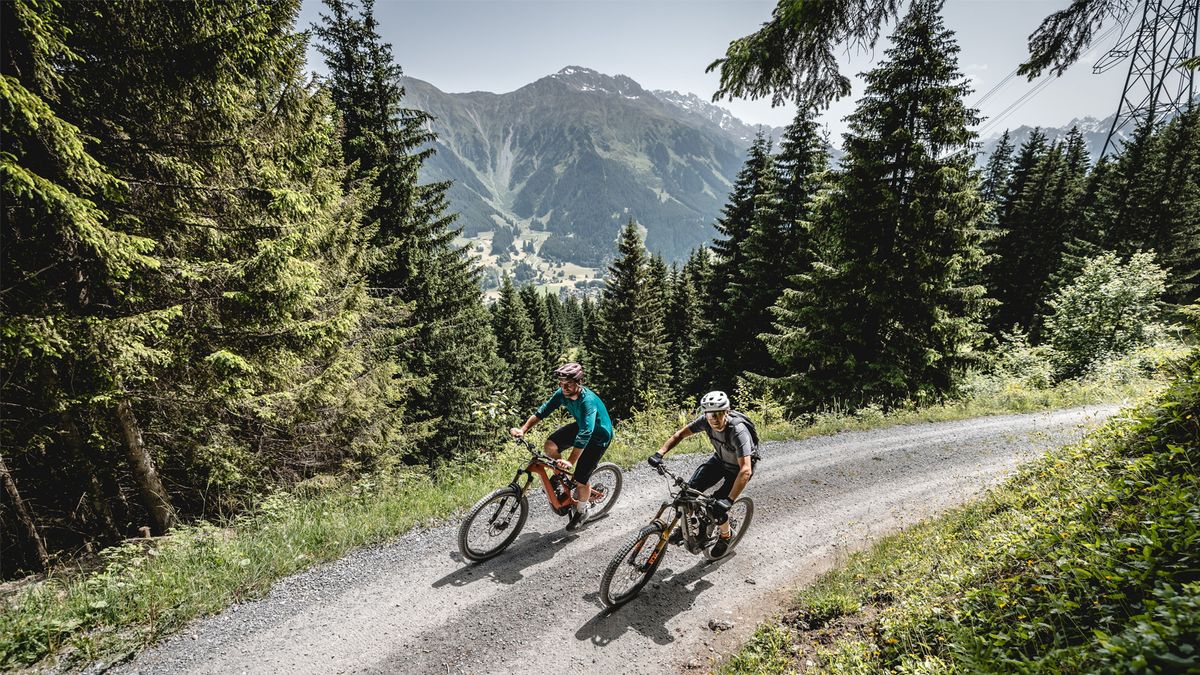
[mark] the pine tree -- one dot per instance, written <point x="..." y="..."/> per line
<point x="998" y="172"/>
<point x="544" y="333"/>
<point x="562" y="335"/>
<point x="630" y="353"/>
<point x="517" y="346"/>
<point x="883" y="316"/>
<point x="1176" y="236"/>
<point x="60" y="251"/>
<point x="1024" y="255"/>
<point x="1150" y="201"/>
<point x="724" y="343"/>
<point x="451" y="353"/>
<point x="211" y="327"/>
<point x="682" y="325"/>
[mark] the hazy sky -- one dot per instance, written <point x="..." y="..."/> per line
<point x="501" y="45"/>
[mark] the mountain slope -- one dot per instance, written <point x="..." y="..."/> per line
<point x="565" y="160"/>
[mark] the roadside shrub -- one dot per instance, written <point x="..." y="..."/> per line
<point x="1111" y="309"/>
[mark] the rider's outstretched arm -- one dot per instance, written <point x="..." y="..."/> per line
<point x="675" y="439"/>
<point x="524" y="428"/>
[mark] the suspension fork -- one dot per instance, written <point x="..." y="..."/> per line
<point x="662" y="538"/>
<point x="516" y="502"/>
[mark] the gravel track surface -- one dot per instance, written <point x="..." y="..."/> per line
<point x="415" y="606"/>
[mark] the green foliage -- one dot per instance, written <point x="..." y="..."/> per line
<point x="1083" y="562"/>
<point x="1108" y="311"/>
<point x="887" y="312"/>
<point x="1150" y="200"/>
<point x="517" y="346"/>
<point x="444" y="341"/>
<point x="728" y="280"/>
<point x="629" y="355"/>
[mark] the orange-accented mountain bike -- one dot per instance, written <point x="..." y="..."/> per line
<point x="694" y="516"/>
<point x="496" y="520"/>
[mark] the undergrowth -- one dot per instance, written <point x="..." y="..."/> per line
<point x="1087" y="561"/>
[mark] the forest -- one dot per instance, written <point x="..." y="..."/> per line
<point x="227" y="279"/>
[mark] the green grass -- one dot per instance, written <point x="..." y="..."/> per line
<point x="146" y="591"/>
<point x="1087" y="561"/>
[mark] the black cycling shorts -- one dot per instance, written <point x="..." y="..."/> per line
<point x="564" y="439"/>
<point x="714" y="471"/>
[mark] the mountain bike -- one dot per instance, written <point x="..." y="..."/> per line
<point x="496" y="520"/>
<point x="697" y="518"/>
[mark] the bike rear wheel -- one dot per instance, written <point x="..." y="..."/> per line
<point x="605" y="482"/>
<point x="632" y="566"/>
<point x="740" y="515"/>
<point x="492" y="524"/>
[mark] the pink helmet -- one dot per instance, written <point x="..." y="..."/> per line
<point x="569" y="371"/>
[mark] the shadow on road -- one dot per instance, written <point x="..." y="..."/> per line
<point x="667" y="595"/>
<point x="529" y="549"/>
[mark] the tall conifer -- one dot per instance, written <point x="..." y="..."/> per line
<point x="517" y="346"/>
<point x="630" y="354"/>
<point x="883" y="316"/>
<point x="724" y="343"/>
<point x="451" y="352"/>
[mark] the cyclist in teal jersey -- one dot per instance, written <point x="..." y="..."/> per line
<point x="588" y="436"/>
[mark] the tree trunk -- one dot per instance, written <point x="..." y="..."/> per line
<point x="154" y="495"/>
<point x="95" y="489"/>
<point x="24" y="515"/>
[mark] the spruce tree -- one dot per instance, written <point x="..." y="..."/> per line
<point x="1150" y="201"/>
<point x="1176" y="236"/>
<point x="1022" y="257"/>
<point x="997" y="172"/>
<point x="451" y="351"/>
<point x="544" y="333"/>
<point x="518" y="347"/>
<point x="211" y="327"/>
<point x="883" y="316"/>
<point x="682" y="324"/>
<point x="725" y="342"/>
<point x="629" y="358"/>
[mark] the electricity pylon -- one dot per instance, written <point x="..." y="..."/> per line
<point x="1157" y="83"/>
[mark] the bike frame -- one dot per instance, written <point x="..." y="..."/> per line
<point x="686" y="503"/>
<point x="544" y="467"/>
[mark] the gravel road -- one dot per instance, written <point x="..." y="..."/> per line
<point x="415" y="606"/>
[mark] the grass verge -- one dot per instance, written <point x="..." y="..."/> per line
<point x="1087" y="561"/>
<point x="147" y="590"/>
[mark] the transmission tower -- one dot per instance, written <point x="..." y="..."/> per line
<point x="1157" y="84"/>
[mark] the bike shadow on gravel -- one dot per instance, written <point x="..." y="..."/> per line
<point x="664" y="597"/>
<point x="528" y="550"/>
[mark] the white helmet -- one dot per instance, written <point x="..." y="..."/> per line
<point x="714" y="401"/>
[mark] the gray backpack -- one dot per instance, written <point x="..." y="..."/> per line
<point x="736" y="416"/>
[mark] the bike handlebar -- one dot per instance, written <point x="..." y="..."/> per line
<point x="540" y="456"/>
<point x="678" y="481"/>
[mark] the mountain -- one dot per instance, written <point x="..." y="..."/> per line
<point x="544" y="176"/>
<point x="1095" y="132"/>
<point x="704" y="112"/>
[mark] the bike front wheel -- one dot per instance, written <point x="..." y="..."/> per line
<point x="605" y="482"/>
<point x="492" y="524"/>
<point x="740" y="515"/>
<point x="632" y="566"/>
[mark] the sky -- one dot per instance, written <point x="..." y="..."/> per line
<point x="502" y="45"/>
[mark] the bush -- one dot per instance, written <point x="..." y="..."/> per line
<point x="1110" y="310"/>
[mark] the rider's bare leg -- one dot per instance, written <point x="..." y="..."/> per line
<point x="551" y="449"/>
<point x="583" y="491"/>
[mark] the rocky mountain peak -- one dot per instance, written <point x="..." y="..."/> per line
<point x="588" y="80"/>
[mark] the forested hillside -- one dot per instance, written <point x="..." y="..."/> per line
<point x="230" y="280"/>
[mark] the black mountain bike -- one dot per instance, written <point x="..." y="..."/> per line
<point x="496" y="520"/>
<point x="697" y="517"/>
